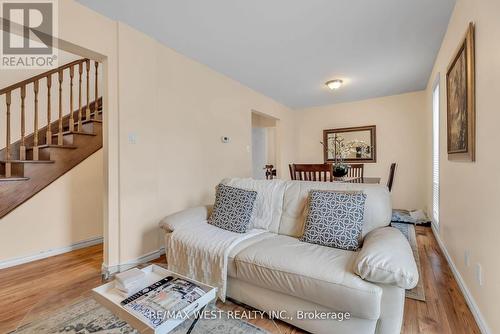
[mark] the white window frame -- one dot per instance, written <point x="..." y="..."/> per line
<point x="436" y="108"/>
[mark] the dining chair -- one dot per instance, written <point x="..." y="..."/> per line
<point x="311" y="172"/>
<point x="390" y="180"/>
<point x="357" y="171"/>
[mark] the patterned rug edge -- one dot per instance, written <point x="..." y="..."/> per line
<point x="418" y="292"/>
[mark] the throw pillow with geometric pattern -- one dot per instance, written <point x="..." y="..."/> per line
<point x="335" y="219"/>
<point x="233" y="208"/>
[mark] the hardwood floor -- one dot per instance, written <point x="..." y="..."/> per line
<point x="28" y="291"/>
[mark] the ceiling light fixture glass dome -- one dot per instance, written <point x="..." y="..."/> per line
<point x="334" y="84"/>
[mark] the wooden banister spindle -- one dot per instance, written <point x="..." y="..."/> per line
<point x="87" y="68"/>
<point x="80" y="70"/>
<point x="96" y="101"/>
<point x="22" y="147"/>
<point x="71" y="116"/>
<point x="7" y="141"/>
<point x="35" y="122"/>
<point x="60" y="128"/>
<point x="48" y="135"/>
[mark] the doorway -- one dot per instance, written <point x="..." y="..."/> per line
<point x="263" y="144"/>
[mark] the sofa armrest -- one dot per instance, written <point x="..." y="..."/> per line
<point x="387" y="258"/>
<point x="189" y="216"/>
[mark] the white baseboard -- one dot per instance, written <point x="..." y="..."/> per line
<point x="51" y="252"/>
<point x="481" y="322"/>
<point x="110" y="270"/>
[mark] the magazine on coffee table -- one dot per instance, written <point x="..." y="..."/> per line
<point x="162" y="300"/>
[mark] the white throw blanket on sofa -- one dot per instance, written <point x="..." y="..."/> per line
<point x="200" y="251"/>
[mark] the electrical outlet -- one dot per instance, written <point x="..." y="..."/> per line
<point x="479" y="274"/>
<point x="467" y="258"/>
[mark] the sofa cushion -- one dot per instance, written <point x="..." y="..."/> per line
<point x="386" y="257"/>
<point x="378" y="208"/>
<point x="334" y="219"/>
<point x="268" y="204"/>
<point x="315" y="273"/>
<point x="233" y="208"/>
<point x="231" y="264"/>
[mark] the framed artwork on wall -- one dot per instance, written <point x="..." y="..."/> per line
<point x="356" y="144"/>
<point x="460" y="101"/>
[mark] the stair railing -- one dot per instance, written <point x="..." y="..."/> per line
<point x="35" y="83"/>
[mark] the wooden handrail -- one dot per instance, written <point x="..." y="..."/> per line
<point x="48" y="130"/>
<point x="41" y="76"/>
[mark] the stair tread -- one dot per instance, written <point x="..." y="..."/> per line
<point x="84" y="122"/>
<point x="53" y="146"/>
<point x="90" y="120"/>
<point x="75" y="133"/>
<point x="28" y="161"/>
<point x="13" y="178"/>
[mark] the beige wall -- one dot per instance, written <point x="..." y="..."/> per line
<point x="88" y="34"/>
<point x="400" y="122"/>
<point x="178" y="109"/>
<point x="66" y="212"/>
<point x="470" y="192"/>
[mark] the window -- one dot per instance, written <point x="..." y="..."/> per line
<point x="435" y="153"/>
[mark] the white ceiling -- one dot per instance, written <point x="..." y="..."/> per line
<point x="287" y="49"/>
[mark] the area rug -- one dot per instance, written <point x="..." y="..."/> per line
<point x="408" y="231"/>
<point x="87" y="316"/>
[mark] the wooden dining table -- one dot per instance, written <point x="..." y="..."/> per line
<point x="372" y="180"/>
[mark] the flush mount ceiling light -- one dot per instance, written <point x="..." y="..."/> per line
<point x="334" y="84"/>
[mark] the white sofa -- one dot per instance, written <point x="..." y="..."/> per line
<point x="274" y="271"/>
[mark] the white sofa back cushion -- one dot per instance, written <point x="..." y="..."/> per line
<point x="378" y="208"/>
<point x="268" y="204"/>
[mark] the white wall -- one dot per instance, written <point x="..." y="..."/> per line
<point x="263" y="144"/>
<point x="66" y="212"/>
<point x="259" y="152"/>
<point x="401" y="131"/>
<point x="470" y="192"/>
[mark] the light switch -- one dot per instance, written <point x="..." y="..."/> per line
<point x="479" y="274"/>
<point x="132" y="138"/>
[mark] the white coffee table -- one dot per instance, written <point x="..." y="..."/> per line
<point x="107" y="296"/>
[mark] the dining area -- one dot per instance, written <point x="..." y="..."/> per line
<point x="325" y="173"/>
<point x="345" y="153"/>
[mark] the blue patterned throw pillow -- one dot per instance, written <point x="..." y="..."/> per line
<point x="233" y="208"/>
<point x="335" y="219"/>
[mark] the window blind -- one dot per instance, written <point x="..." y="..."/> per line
<point x="435" y="154"/>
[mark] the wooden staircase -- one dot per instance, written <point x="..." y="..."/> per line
<point x="38" y="159"/>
